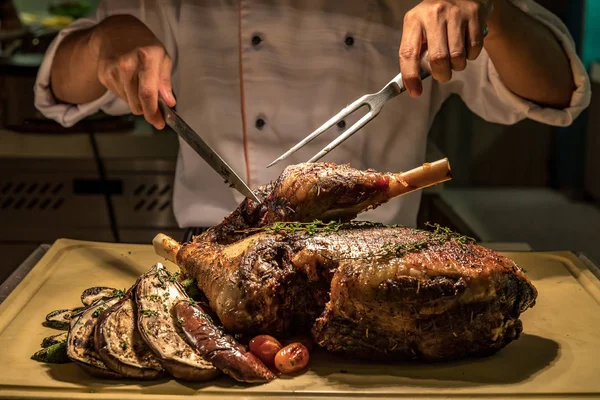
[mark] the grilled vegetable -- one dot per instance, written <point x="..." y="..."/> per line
<point x="119" y="344"/>
<point x="156" y="294"/>
<point x="191" y="288"/>
<point x="292" y="358"/>
<point x="222" y="350"/>
<point x="80" y="342"/>
<point x="265" y="347"/>
<point x="60" y="319"/>
<point x="54" y="339"/>
<point x="55" y="353"/>
<point x="93" y="294"/>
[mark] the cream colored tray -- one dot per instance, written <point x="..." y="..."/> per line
<point x="558" y="355"/>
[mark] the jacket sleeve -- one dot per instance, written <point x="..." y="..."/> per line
<point x="482" y="90"/>
<point x="156" y="14"/>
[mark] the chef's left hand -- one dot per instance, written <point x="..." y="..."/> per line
<point x="452" y="32"/>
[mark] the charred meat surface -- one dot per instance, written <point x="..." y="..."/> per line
<point x="433" y="295"/>
<point x="361" y="288"/>
<point x="324" y="191"/>
<point x="156" y="294"/>
<point x="430" y="297"/>
<point x="219" y="348"/>
<point x="119" y="344"/>
<point x="80" y="341"/>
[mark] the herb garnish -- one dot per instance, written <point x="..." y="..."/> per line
<point x="445" y="234"/>
<point x="172" y="276"/>
<point x="98" y="311"/>
<point x="120" y="293"/>
<point x="187" y="282"/>
<point x="150" y="313"/>
<point x="438" y="235"/>
<point x="290" y="227"/>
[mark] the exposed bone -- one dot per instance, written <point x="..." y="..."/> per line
<point x="428" y="174"/>
<point x="166" y="247"/>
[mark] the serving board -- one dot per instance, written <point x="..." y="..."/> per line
<point x="557" y="356"/>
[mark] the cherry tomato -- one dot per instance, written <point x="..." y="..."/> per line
<point x="292" y="358"/>
<point x="305" y="340"/>
<point x="265" y="347"/>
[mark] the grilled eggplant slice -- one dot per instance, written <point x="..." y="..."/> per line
<point x="80" y="341"/>
<point x="93" y="294"/>
<point x="119" y="344"/>
<point x="60" y="319"/>
<point x="156" y="294"/>
<point x="222" y="350"/>
<point x="55" y="353"/>
<point x="54" y="339"/>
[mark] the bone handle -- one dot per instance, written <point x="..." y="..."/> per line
<point x="428" y="174"/>
<point x="166" y="247"/>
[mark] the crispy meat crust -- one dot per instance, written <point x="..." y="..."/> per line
<point x="427" y="295"/>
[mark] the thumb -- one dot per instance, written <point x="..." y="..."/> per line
<point x="167" y="94"/>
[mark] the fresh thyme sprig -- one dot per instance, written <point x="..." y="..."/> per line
<point x="150" y="313"/>
<point x="98" y="311"/>
<point x="444" y="234"/>
<point x="310" y="228"/>
<point x="437" y="236"/>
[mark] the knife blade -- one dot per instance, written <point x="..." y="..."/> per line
<point x="205" y="151"/>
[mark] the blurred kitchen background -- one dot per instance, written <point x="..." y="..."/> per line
<point x="529" y="186"/>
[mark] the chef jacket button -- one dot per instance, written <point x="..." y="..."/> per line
<point x="256" y="40"/>
<point x="341" y="124"/>
<point x="349" y="40"/>
<point x="259" y="123"/>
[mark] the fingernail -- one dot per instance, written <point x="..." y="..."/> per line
<point x="167" y="95"/>
<point x="170" y="97"/>
<point x="417" y="89"/>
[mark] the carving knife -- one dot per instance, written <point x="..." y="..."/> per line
<point x="205" y="151"/>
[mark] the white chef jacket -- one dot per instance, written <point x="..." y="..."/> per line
<point x="292" y="64"/>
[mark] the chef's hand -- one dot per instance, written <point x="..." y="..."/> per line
<point x="134" y="65"/>
<point x="452" y="32"/>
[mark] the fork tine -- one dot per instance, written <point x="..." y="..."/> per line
<point x="351" y="131"/>
<point x="357" y="104"/>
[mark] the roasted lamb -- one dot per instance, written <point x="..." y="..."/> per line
<point x="296" y="263"/>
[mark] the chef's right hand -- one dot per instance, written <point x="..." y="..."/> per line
<point x="134" y="65"/>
